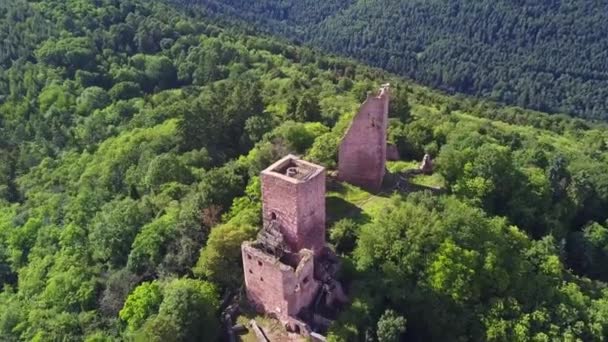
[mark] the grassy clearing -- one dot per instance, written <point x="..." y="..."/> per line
<point x="434" y="181"/>
<point x="348" y="201"/>
<point x="419" y="110"/>
<point x="402" y="165"/>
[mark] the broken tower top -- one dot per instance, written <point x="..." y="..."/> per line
<point x="293" y="169"/>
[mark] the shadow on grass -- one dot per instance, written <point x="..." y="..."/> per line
<point x="338" y="208"/>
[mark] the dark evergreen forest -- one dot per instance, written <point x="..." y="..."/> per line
<point x="549" y="55"/>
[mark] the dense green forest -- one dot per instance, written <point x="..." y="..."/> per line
<point x="547" y="55"/>
<point x="131" y="136"/>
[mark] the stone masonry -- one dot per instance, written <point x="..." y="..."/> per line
<point x="293" y="194"/>
<point x="362" y="153"/>
<point x="280" y="287"/>
<point x="289" y="271"/>
<point x="284" y="267"/>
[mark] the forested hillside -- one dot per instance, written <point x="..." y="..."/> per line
<point x="547" y="55"/>
<point x="131" y="137"/>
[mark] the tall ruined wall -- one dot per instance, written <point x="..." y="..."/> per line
<point x="275" y="287"/>
<point x="362" y="154"/>
<point x="299" y="207"/>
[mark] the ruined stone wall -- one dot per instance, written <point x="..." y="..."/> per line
<point x="392" y="152"/>
<point x="300" y="286"/>
<point x="362" y="153"/>
<point x="264" y="281"/>
<point x="277" y="288"/>
<point x="299" y="207"/>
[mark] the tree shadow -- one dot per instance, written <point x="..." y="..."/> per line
<point x="338" y="209"/>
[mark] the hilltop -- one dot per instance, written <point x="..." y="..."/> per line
<point x="132" y="134"/>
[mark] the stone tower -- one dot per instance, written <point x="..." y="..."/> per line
<point x="284" y="268"/>
<point x="293" y="194"/>
<point x="362" y="153"/>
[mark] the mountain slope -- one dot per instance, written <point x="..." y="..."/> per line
<point x="132" y="134"/>
<point x="547" y="55"/>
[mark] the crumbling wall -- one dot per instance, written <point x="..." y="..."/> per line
<point x="301" y="286"/>
<point x="264" y="281"/>
<point x="277" y="288"/>
<point x="362" y="153"/>
<point x="392" y="152"/>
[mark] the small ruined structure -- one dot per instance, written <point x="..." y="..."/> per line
<point x="289" y="271"/>
<point x="426" y="166"/>
<point x="362" y="153"/>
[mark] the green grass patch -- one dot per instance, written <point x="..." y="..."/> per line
<point x="435" y="180"/>
<point x="348" y="201"/>
<point x="402" y="165"/>
<point x="419" y="110"/>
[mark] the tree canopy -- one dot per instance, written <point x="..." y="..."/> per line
<point x="131" y="136"/>
<point x="543" y="55"/>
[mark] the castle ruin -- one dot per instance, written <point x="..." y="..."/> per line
<point x="288" y="270"/>
<point x="362" y="154"/>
